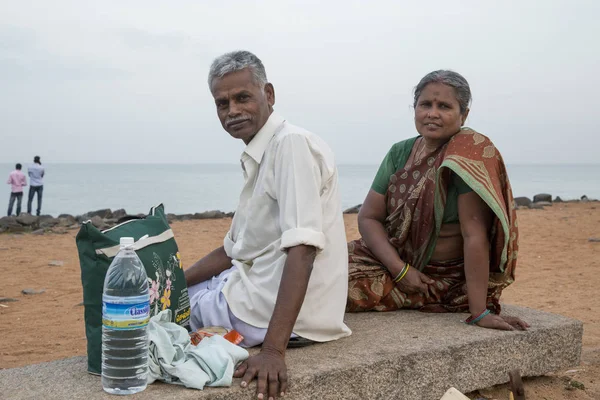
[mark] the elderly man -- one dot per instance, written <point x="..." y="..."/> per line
<point x="282" y="272"/>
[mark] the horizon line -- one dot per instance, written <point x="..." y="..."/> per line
<point x="237" y="164"/>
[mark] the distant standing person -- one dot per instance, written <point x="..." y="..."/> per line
<point x="17" y="181"/>
<point x="36" y="184"/>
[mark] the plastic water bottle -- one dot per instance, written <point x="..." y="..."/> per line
<point x="125" y="315"/>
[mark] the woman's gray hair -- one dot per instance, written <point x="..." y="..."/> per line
<point x="237" y="61"/>
<point x="452" y="79"/>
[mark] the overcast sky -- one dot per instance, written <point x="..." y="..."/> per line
<point x="125" y="81"/>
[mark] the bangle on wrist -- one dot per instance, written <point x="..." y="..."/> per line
<point x="473" y="319"/>
<point x="402" y="273"/>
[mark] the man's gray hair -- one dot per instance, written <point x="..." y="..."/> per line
<point x="452" y="79"/>
<point x="237" y="61"/>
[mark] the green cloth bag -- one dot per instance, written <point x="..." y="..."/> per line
<point x="155" y="245"/>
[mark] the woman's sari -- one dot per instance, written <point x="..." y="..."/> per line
<point x="416" y="198"/>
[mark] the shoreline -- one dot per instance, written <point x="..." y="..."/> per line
<point x="107" y="218"/>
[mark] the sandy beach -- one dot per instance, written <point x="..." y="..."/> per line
<point x="558" y="271"/>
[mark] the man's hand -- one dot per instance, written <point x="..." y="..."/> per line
<point x="269" y="368"/>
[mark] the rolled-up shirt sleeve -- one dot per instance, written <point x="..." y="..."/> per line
<point x="228" y="244"/>
<point x="298" y="188"/>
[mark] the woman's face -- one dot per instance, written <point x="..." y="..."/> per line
<point x="437" y="114"/>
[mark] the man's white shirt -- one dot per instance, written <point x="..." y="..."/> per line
<point x="290" y="197"/>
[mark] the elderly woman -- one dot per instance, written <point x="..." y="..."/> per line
<point x="439" y="230"/>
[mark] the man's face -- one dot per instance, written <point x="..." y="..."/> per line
<point x="243" y="106"/>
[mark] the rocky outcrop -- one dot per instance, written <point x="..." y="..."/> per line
<point x="67" y="220"/>
<point x="10" y="224"/>
<point x="98" y="222"/>
<point x="120" y="213"/>
<point x="522" y="201"/>
<point x="105" y="213"/>
<point x="542" y="197"/>
<point x="47" y="221"/>
<point x="101" y="219"/>
<point x="28" y="220"/>
<point x="214" y="214"/>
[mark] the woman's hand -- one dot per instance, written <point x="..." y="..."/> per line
<point x="415" y="282"/>
<point x="493" y="321"/>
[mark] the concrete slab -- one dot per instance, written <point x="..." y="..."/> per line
<point x="399" y="355"/>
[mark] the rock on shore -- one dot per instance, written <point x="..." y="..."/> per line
<point x="101" y="219"/>
<point x="107" y="218"/>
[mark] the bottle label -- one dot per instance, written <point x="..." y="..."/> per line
<point x="125" y="316"/>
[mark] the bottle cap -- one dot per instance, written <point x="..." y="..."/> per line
<point x="126" y="241"/>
